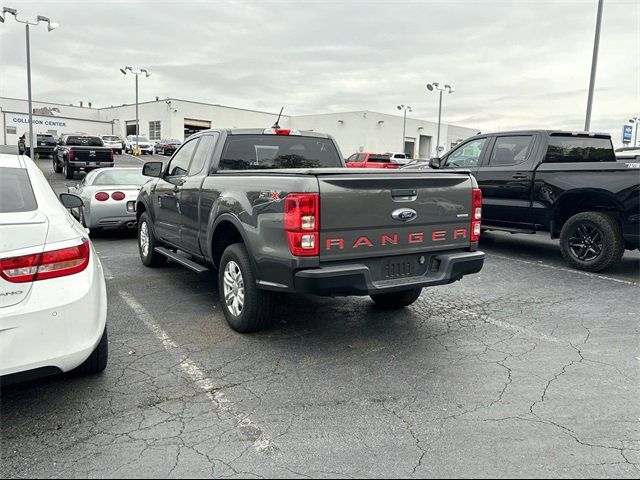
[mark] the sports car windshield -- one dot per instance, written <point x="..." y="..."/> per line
<point x="120" y="177"/>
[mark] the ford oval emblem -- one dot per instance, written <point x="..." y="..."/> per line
<point x="405" y="214"/>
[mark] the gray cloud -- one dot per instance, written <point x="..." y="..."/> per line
<point x="514" y="63"/>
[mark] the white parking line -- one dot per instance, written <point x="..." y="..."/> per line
<point x="570" y="270"/>
<point x="262" y="444"/>
<point x="500" y="323"/>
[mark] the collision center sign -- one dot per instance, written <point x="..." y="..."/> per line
<point x="38" y="121"/>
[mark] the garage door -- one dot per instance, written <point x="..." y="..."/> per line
<point x="192" y="125"/>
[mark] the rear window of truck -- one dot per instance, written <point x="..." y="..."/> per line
<point x="16" y="194"/>
<point x="84" y="142"/>
<point x="249" y="152"/>
<point x="579" y="149"/>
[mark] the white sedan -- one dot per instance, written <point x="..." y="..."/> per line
<point x="53" y="300"/>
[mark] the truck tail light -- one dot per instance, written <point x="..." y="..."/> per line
<point x="101" y="196"/>
<point x="476" y="214"/>
<point x="71" y="155"/>
<point x="302" y="223"/>
<point x="281" y="131"/>
<point x="118" y="196"/>
<point x="48" y="264"/>
<point x="111" y="155"/>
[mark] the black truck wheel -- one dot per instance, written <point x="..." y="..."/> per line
<point x="56" y="166"/>
<point x="69" y="171"/>
<point x="591" y="241"/>
<point x="246" y="307"/>
<point x="98" y="359"/>
<point x="147" y="243"/>
<point x="396" y="299"/>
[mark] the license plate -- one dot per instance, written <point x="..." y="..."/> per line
<point x="398" y="268"/>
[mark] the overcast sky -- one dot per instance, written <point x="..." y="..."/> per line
<point x="514" y="64"/>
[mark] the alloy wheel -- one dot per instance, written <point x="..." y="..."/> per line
<point x="144" y="239"/>
<point x="586" y="242"/>
<point x="233" y="288"/>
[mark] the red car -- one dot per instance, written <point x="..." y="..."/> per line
<point x="371" y="160"/>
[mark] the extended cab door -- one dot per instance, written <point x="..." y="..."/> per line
<point x="505" y="178"/>
<point x="189" y="197"/>
<point x="166" y="194"/>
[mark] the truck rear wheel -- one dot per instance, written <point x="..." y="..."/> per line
<point x="56" y="166"/>
<point x="147" y="243"/>
<point x="69" y="171"/>
<point x="246" y="307"/>
<point x="591" y="241"/>
<point x="396" y="299"/>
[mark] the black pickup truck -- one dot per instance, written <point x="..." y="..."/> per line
<point x="76" y="152"/>
<point x="276" y="211"/>
<point x="565" y="183"/>
<point x="44" y="145"/>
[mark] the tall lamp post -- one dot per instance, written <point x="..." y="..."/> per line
<point x="50" y="26"/>
<point x="636" y="122"/>
<point x="594" y="65"/>
<point x="136" y="72"/>
<point x="404" y="123"/>
<point x="435" y="86"/>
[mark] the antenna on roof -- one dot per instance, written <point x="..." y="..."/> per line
<point x="276" y="125"/>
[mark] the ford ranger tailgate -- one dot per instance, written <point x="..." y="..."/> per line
<point x="393" y="213"/>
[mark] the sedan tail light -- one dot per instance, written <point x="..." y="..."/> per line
<point x="118" y="196"/>
<point x="476" y="214"/>
<point x="101" y="196"/>
<point x="302" y="223"/>
<point x="48" y="264"/>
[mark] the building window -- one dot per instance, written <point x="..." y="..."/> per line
<point x="154" y="130"/>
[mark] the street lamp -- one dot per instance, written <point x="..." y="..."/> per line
<point x="136" y="72"/>
<point x="50" y="26"/>
<point x="436" y="86"/>
<point x="636" y="122"/>
<point x="404" y="122"/>
<point x="594" y="65"/>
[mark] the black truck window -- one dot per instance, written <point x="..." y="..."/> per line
<point x="78" y="141"/>
<point x="244" y="152"/>
<point x="510" y="150"/>
<point x="565" y="148"/>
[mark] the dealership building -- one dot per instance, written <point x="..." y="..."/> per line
<point x="174" y="118"/>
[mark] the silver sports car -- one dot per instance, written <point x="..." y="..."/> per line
<point x="109" y="196"/>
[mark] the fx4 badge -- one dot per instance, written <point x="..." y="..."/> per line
<point x="404" y="214"/>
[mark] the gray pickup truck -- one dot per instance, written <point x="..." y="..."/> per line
<point x="276" y="211"/>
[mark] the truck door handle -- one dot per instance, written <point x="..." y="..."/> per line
<point x="519" y="176"/>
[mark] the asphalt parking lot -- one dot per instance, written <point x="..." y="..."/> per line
<point x="528" y="369"/>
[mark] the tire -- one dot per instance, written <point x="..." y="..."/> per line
<point x="69" y="171"/>
<point x="82" y="218"/>
<point x="591" y="241"/>
<point x="98" y="359"/>
<point x="396" y="300"/>
<point x="56" y="166"/>
<point x="256" y="310"/>
<point x="152" y="258"/>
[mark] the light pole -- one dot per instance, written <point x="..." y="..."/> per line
<point x="636" y="122"/>
<point x="136" y="72"/>
<point x="404" y="123"/>
<point x="436" y="86"/>
<point x="594" y="64"/>
<point x="27" y="24"/>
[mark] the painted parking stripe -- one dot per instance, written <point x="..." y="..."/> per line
<point x="570" y="270"/>
<point x="263" y="443"/>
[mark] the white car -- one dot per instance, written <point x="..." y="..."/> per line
<point x="628" y="154"/>
<point x="113" y="142"/>
<point x="399" y="158"/>
<point x="53" y="299"/>
<point x="143" y="144"/>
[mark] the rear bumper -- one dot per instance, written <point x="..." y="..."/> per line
<point x="357" y="279"/>
<point x="90" y="164"/>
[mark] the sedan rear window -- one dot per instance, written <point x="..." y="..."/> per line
<point x="579" y="149"/>
<point x="77" y="141"/>
<point x="244" y="152"/>
<point x="16" y="193"/>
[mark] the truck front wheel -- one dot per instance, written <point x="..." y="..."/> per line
<point x="396" y="299"/>
<point x="246" y="307"/>
<point x="147" y="243"/>
<point x="591" y="241"/>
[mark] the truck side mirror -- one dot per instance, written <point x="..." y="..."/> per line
<point x="435" y="162"/>
<point x="152" y="169"/>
